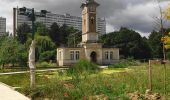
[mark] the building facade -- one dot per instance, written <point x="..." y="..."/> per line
<point x="89" y="48"/>
<point x="50" y="18"/>
<point x="2" y="26"/>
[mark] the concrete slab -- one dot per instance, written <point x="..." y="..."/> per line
<point x="7" y="93"/>
<point x="102" y="67"/>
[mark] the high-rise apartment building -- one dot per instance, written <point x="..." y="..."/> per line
<point x="19" y="18"/>
<point x="2" y="26"/>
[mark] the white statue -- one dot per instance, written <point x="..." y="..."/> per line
<point x="32" y="55"/>
<point x="32" y="64"/>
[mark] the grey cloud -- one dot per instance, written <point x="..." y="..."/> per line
<point x="135" y="14"/>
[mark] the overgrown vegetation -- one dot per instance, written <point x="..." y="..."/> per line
<point x="113" y="86"/>
<point x="82" y="69"/>
<point x="46" y="65"/>
<point x="124" y="63"/>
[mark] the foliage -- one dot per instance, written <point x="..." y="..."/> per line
<point x="167" y="12"/>
<point x="168" y="55"/>
<point x="22" y="33"/>
<point x="156" y="45"/>
<point x="124" y="63"/>
<point x="41" y="30"/>
<point x="74" y="38"/>
<point x="45" y="64"/>
<point x="47" y="55"/>
<point x="64" y="35"/>
<point x="131" y="44"/>
<point x="165" y="39"/>
<point x="54" y="33"/>
<point x="83" y="67"/>
<point x="114" y="86"/>
<point x="44" y="46"/>
<point x="12" y="54"/>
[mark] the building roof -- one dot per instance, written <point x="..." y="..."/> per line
<point x="88" y="2"/>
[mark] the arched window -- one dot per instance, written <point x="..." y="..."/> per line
<point x="92" y="20"/>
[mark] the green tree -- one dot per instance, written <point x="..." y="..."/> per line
<point x="12" y="52"/>
<point x="54" y="33"/>
<point x="47" y="55"/>
<point x="64" y="34"/>
<point x="156" y="44"/>
<point x="22" y="33"/>
<point x="74" y="37"/>
<point x="44" y="44"/>
<point x="131" y="44"/>
<point x="41" y="29"/>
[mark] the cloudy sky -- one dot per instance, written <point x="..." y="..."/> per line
<point x="138" y="15"/>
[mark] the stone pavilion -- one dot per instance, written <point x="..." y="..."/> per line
<point x="89" y="49"/>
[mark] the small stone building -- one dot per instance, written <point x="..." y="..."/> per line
<point x="89" y="48"/>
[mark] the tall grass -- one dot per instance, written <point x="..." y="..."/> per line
<point x="114" y="86"/>
<point x="82" y="69"/>
<point x="124" y="63"/>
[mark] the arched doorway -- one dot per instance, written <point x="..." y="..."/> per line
<point x="93" y="56"/>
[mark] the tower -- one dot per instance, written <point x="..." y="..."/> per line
<point x="89" y="49"/>
<point x="89" y="34"/>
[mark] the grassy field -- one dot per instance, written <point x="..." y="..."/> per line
<point x="112" y="83"/>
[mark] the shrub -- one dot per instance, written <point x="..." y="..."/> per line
<point x="168" y="55"/>
<point x="83" y="67"/>
<point x="53" y="87"/>
<point x="45" y="64"/>
<point x="47" y="55"/>
<point x="124" y="63"/>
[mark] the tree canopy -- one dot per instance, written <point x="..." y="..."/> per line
<point x="131" y="44"/>
<point x="12" y="52"/>
<point x="22" y="33"/>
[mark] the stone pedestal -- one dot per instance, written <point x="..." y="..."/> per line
<point x="32" y="78"/>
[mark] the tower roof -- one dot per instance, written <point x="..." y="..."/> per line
<point x="87" y="2"/>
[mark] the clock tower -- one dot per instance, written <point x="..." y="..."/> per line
<point x="89" y="49"/>
<point x="89" y="34"/>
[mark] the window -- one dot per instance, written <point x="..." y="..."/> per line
<point x="72" y="55"/>
<point x="111" y="55"/>
<point x="77" y="55"/>
<point x="106" y="55"/>
<point x="92" y="20"/>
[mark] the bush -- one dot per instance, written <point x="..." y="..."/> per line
<point x="168" y="55"/>
<point x="47" y="55"/>
<point x="82" y="68"/>
<point x="23" y="59"/>
<point x="53" y="87"/>
<point x="124" y="63"/>
<point x="45" y="65"/>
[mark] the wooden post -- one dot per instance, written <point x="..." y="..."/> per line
<point x="165" y="78"/>
<point x="150" y="76"/>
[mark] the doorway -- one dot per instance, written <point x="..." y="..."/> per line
<point x="93" y="57"/>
